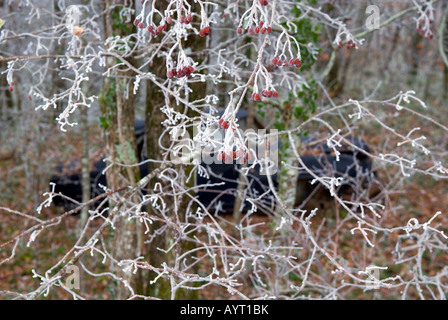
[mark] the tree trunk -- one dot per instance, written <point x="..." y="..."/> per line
<point x="85" y="165"/>
<point x="154" y="117"/>
<point x="117" y="105"/>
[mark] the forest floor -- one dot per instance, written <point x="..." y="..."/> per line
<point x="420" y="198"/>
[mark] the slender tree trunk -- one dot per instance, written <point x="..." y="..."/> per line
<point x="85" y="177"/>
<point x="154" y="117"/>
<point x="85" y="165"/>
<point x="117" y="105"/>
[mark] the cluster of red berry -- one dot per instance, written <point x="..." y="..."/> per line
<point x="227" y="157"/>
<point x="256" y="96"/>
<point x="421" y="28"/>
<point x="258" y="29"/>
<point x="186" y="19"/>
<point x="181" y="72"/>
<point x="265" y="93"/>
<point x="284" y="63"/>
<point x="204" y="32"/>
<point x="269" y="94"/>
<point x="350" y="44"/>
<point x="423" y="32"/>
<point x="156" y="31"/>
<point x="223" y="124"/>
<point x="151" y="28"/>
<point x="138" y="23"/>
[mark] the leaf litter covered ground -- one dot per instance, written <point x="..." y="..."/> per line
<point x="418" y="198"/>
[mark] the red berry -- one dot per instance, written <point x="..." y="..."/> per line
<point x="136" y="22"/>
<point x="275" y="94"/>
<point x="141" y="25"/>
<point x="190" y="69"/>
<point x="291" y="62"/>
<point x="275" y="60"/>
<point x="239" y="30"/>
<point x="269" y="93"/>
<point x="182" y="19"/>
<point x="150" y="29"/>
<point x="257" y="29"/>
<point x="269" y="29"/>
<point x="263" y="30"/>
<point x="207" y="31"/>
<point x="261" y="23"/>
<point x="257" y="97"/>
<point x="279" y="63"/>
<point x="251" y="30"/>
<point x="202" y="33"/>
<point x="223" y="124"/>
<point x="11" y="89"/>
